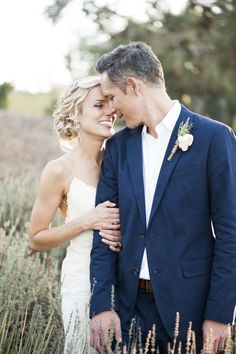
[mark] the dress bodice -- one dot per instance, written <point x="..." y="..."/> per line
<point x="80" y="200"/>
<point x="75" y="288"/>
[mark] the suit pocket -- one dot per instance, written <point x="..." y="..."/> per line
<point x="197" y="267"/>
<point x="181" y="172"/>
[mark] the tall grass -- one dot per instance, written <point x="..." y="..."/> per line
<point x="30" y="319"/>
<point x="17" y="197"/>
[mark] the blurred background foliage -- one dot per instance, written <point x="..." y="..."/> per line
<point x="5" y="89"/>
<point x="197" y="47"/>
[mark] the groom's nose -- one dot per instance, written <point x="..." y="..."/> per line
<point x="110" y="110"/>
<point x="111" y="104"/>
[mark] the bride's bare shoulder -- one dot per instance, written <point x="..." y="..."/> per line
<point x="55" y="170"/>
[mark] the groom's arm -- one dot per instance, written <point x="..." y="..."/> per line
<point x="221" y="299"/>
<point x="222" y="182"/>
<point x="103" y="260"/>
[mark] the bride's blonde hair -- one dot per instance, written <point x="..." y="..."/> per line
<point x="69" y="107"/>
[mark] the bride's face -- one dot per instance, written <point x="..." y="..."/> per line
<point x="97" y="117"/>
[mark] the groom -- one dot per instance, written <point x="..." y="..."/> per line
<point x="172" y="173"/>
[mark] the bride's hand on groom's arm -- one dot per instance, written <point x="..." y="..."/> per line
<point x="104" y="216"/>
<point x="102" y="325"/>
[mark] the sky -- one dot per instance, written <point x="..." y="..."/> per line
<point x="33" y="49"/>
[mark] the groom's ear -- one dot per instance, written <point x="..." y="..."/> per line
<point x="133" y="86"/>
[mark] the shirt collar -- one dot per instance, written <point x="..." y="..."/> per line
<point x="169" y="119"/>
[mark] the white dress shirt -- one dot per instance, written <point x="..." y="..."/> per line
<point x="153" y="154"/>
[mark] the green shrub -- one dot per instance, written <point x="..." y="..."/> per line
<point x="5" y="89"/>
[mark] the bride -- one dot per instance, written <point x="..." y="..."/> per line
<point x="69" y="183"/>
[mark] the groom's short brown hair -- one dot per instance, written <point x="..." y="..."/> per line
<point x="135" y="59"/>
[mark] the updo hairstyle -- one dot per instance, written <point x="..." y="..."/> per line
<point x="69" y="107"/>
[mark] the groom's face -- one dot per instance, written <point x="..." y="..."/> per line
<point x="124" y="103"/>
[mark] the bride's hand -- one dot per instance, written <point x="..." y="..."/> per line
<point x="103" y="217"/>
<point x="112" y="238"/>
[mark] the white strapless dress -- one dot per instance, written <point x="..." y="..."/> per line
<point x="75" y="283"/>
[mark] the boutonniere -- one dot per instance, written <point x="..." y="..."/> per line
<point x="184" y="139"/>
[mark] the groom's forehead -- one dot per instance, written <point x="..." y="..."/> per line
<point x="105" y="80"/>
<point x="106" y="84"/>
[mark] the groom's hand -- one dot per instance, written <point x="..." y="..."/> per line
<point x="101" y="325"/>
<point x="216" y="333"/>
<point x="112" y="238"/>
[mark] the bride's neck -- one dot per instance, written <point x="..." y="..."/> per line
<point x="92" y="151"/>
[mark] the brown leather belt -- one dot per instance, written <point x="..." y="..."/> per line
<point x="146" y="285"/>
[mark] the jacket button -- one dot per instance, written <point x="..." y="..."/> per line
<point x="136" y="270"/>
<point x="155" y="271"/>
<point x="141" y="234"/>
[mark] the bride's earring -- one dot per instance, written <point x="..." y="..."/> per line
<point x="77" y="126"/>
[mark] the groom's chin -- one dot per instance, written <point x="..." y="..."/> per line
<point x="132" y="125"/>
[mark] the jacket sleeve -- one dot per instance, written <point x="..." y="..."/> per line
<point x="103" y="260"/>
<point x="222" y="182"/>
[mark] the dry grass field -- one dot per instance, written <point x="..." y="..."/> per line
<point x="27" y="143"/>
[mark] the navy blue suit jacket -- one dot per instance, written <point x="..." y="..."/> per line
<point x="191" y="235"/>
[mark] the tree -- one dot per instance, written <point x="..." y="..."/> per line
<point x="197" y="48"/>
<point x="54" y="11"/>
<point x="5" y="89"/>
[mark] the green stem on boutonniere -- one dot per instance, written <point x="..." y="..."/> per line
<point x="184" y="128"/>
<point x="174" y="150"/>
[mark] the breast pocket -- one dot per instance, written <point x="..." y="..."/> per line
<point x="186" y="171"/>
<point x="184" y="189"/>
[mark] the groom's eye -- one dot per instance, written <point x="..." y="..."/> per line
<point x="111" y="98"/>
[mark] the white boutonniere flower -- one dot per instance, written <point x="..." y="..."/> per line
<point x="184" y="139"/>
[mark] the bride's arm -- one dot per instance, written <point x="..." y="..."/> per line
<point x="51" y="191"/>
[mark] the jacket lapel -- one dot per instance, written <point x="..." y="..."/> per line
<point x="168" y="166"/>
<point x="135" y="163"/>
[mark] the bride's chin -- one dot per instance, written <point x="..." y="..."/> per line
<point x="107" y="136"/>
<point x="110" y="133"/>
